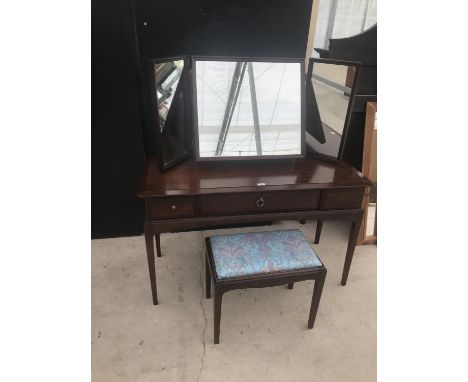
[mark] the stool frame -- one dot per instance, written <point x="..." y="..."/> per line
<point x="221" y="286"/>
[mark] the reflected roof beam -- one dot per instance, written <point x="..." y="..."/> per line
<point x="253" y="97"/>
<point x="236" y="83"/>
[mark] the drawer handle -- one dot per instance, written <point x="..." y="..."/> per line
<point x="173" y="207"/>
<point x="260" y="202"/>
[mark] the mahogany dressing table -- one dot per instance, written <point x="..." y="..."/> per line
<point x="205" y="195"/>
<point x="245" y="120"/>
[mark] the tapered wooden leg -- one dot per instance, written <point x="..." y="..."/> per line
<point x="355" y="226"/>
<point x="291" y="285"/>
<point x="318" y="231"/>
<point x="151" y="265"/>
<point x="318" y="287"/>
<point x="218" y="299"/>
<point x="158" y="244"/>
<point x="207" y="278"/>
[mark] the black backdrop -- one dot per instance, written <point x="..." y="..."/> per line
<point x="124" y="35"/>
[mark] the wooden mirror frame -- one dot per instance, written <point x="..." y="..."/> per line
<point x="182" y="87"/>
<point x="246" y="59"/>
<point x="369" y="170"/>
<point x="349" y="110"/>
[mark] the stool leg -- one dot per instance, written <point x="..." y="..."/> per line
<point x="318" y="287"/>
<point x="218" y="299"/>
<point x="290" y="285"/>
<point x="207" y="277"/>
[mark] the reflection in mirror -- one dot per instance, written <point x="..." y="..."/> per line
<point x="369" y="167"/>
<point x="167" y="78"/>
<point x="169" y="102"/>
<point x="248" y="109"/>
<point x="329" y="98"/>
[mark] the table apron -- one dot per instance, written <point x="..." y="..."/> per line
<point x="198" y="223"/>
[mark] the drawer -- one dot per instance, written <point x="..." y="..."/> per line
<point x="341" y="199"/>
<point x="256" y="202"/>
<point x="167" y="208"/>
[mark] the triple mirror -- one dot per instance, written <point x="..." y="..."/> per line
<point x="331" y="87"/>
<point x="248" y="109"/>
<point x="171" y="107"/>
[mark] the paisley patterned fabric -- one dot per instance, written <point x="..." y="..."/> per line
<point x="246" y="254"/>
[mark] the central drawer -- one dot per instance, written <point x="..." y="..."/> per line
<point x="257" y="202"/>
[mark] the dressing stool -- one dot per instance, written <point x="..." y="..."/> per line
<point x="261" y="259"/>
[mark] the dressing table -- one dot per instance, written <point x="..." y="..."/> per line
<point x="197" y="196"/>
<point x="205" y="192"/>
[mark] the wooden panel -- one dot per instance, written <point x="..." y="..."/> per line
<point x="369" y="155"/>
<point x="167" y="208"/>
<point x="369" y="166"/>
<point x="190" y="177"/>
<point x="338" y="199"/>
<point x="258" y="202"/>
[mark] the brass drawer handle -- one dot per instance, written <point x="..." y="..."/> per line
<point x="260" y="202"/>
<point x="173" y="207"/>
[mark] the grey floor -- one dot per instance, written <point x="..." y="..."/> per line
<point x="264" y="335"/>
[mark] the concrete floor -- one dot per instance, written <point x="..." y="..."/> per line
<point x="264" y="335"/>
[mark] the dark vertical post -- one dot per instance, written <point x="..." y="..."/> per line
<point x="151" y="265"/>
<point x="318" y="287"/>
<point x="218" y="299"/>
<point x="158" y="244"/>
<point x="207" y="277"/>
<point x="318" y="231"/>
<point x="353" y="234"/>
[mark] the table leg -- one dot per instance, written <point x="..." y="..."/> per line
<point x="151" y="264"/>
<point x="355" y="226"/>
<point x="158" y="244"/>
<point x="318" y="231"/>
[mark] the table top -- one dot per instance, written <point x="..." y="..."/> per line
<point x="193" y="178"/>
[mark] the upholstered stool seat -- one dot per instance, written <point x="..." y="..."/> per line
<point x="246" y="254"/>
<point x="260" y="259"/>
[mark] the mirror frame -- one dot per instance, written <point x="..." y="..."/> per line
<point x="349" y="110"/>
<point x="182" y="86"/>
<point x="246" y="59"/>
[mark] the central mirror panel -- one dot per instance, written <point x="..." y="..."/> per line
<point x="246" y="108"/>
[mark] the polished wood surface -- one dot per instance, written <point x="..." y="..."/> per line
<point x="198" y="196"/>
<point x="254" y="202"/>
<point x="165" y="208"/>
<point x="192" y="178"/>
<point x="339" y="198"/>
